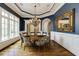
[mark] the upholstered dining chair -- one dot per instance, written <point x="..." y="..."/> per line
<point x="21" y="39"/>
<point x="42" y="41"/>
<point x="38" y="33"/>
<point x="26" y="40"/>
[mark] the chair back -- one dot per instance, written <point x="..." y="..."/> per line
<point x="21" y="38"/>
<point x="38" y="33"/>
<point x="26" y="40"/>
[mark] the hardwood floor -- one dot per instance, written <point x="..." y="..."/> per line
<point x="53" y="50"/>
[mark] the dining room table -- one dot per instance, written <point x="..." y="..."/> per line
<point x="33" y="38"/>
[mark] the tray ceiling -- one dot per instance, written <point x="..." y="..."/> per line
<point x="28" y="9"/>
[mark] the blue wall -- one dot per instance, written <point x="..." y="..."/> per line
<point x="22" y="24"/>
<point x="67" y="7"/>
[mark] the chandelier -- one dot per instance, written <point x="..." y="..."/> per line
<point x="35" y="20"/>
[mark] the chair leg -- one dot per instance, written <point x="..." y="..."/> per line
<point x="49" y="44"/>
<point x="24" y="47"/>
<point x="21" y="44"/>
<point x="54" y="44"/>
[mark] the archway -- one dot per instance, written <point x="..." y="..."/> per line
<point x="47" y="25"/>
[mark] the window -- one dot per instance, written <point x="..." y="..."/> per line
<point x="4" y="28"/>
<point x="9" y="25"/>
<point x="11" y="28"/>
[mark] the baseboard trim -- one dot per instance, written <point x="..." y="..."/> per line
<point x="9" y="45"/>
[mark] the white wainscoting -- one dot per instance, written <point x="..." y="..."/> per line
<point x="68" y="41"/>
<point x="8" y="42"/>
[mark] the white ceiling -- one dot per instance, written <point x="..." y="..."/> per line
<point x="42" y="9"/>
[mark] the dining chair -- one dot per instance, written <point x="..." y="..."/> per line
<point x="42" y="41"/>
<point x="38" y="33"/>
<point x="27" y="42"/>
<point x="31" y="33"/>
<point x="21" y="39"/>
